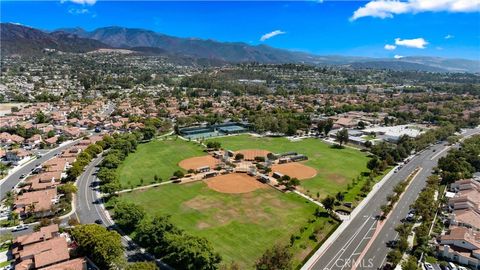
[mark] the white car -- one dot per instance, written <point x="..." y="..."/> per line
<point x="428" y="266"/>
<point x="20" y="228"/>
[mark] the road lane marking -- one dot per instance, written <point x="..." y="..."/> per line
<point x="439" y="153"/>
<point x="361" y="241"/>
<point x="387" y="219"/>
<point x="347" y="244"/>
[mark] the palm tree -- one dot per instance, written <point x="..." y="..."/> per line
<point x="31" y="208"/>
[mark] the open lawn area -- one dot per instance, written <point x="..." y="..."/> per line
<point x="158" y="157"/>
<point x="239" y="226"/>
<point x="336" y="168"/>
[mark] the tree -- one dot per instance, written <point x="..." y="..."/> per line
<point x="292" y="183"/>
<point x="74" y="172"/>
<point x="394" y="256"/>
<point x="373" y="164"/>
<point x="342" y="136"/>
<point x="191" y="252"/>
<point x="410" y="264"/>
<point x="149" y="132"/>
<point x="321" y="126"/>
<point x="50" y="133"/>
<point x="67" y="188"/>
<point x="239" y="156"/>
<point x="127" y="215"/>
<point x="367" y="144"/>
<point x="275" y="258"/>
<point x="284" y="180"/>
<point x="339" y="196"/>
<point x="271" y="156"/>
<point x="93" y="150"/>
<point x="178" y="174"/>
<point x="328" y="202"/>
<point x="214" y="144"/>
<point x="328" y="126"/>
<point x="103" y="247"/>
<point x="111" y="188"/>
<point x="40" y="118"/>
<point x="111" y="161"/>
<point x="3" y="168"/>
<point x="142" y="266"/>
<point x="151" y="233"/>
<point x="107" y="175"/>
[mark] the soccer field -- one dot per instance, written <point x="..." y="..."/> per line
<point x="336" y="168"/>
<point x="239" y="226"/>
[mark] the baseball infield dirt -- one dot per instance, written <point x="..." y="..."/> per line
<point x="295" y="169"/>
<point x="234" y="183"/>
<point x="197" y="162"/>
<point x="250" y="154"/>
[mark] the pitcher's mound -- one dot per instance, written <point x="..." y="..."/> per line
<point x="250" y="154"/>
<point x="234" y="183"/>
<point x="197" y="162"/>
<point x="295" y="170"/>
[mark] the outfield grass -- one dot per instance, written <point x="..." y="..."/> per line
<point x="158" y="157"/>
<point x="336" y="168"/>
<point x="240" y="226"/>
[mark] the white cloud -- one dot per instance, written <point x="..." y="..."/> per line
<point x="78" y="11"/>
<point x="81" y="2"/>
<point x="449" y="36"/>
<point x="418" y="43"/>
<point x="389" y="8"/>
<point x="389" y="47"/>
<point x="396" y="56"/>
<point x="272" y="34"/>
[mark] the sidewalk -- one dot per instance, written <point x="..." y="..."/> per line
<point x="333" y="237"/>
<point x="143" y="187"/>
<point x="18" y="167"/>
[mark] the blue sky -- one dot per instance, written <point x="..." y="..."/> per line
<point x="448" y="28"/>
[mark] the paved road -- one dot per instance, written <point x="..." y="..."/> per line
<point x="12" y="180"/>
<point x="89" y="208"/>
<point x="350" y="248"/>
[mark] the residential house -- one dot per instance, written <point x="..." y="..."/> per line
<point x="45" y="249"/>
<point x="40" y="203"/>
<point x="461" y="245"/>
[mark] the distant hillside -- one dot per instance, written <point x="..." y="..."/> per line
<point x="18" y="39"/>
<point x="191" y="47"/>
<point x="395" y="65"/>
<point x="242" y="52"/>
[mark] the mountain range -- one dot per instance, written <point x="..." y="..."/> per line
<point x="19" y="39"/>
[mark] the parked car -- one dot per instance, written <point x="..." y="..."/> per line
<point x="452" y="266"/>
<point x="410" y="217"/>
<point x="99" y="221"/>
<point x="21" y="227"/>
<point x="445" y="267"/>
<point x="428" y="266"/>
<point x="392" y="243"/>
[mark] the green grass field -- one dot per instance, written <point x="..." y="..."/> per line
<point x="336" y="168"/>
<point x="240" y="226"/>
<point x="158" y="157"/>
